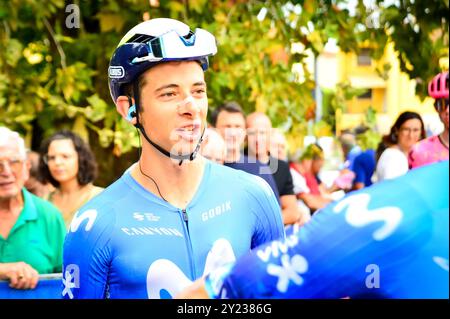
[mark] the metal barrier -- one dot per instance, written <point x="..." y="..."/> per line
<point x="48" y="287"/>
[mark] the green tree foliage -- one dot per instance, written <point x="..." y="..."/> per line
<point x="54" y="56"/>
<point x="419" y="31"/>
<point x="336" y="99"/>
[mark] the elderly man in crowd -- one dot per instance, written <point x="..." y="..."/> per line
<point x="31" y="229"/>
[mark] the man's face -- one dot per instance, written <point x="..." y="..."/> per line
<point x="232" y="128"/>
<point x="278" y="146"/>
<point x="174" y="105"/>
<point x="13" y="171"/>
<point x="258" y="132"/>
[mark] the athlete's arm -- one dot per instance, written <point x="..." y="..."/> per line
<point x="265" y="208"/>
<point x="380" y="228"/>
<point x="86" y="256"/>
<point x="291" y="213"/>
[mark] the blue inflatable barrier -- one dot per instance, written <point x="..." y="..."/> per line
<point x="49" y="287"/>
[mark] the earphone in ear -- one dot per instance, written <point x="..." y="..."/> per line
<point x="131" y="112"/>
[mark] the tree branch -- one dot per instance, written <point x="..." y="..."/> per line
<point x="58" y="45"/>
<point x="7" y="30"/>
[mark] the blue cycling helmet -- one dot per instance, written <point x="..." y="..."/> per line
<point x="152" y="42"/>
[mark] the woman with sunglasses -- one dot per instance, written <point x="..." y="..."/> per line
<point x="434" y="148"/>
<point x="69" y="165"/>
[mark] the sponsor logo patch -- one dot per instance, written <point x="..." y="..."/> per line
<point x="116" y="72"/>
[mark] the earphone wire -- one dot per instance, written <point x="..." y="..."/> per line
<point x="142" y="172"/>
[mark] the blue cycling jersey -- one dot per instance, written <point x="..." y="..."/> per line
<point x="129" y="243"/>
<point x="387" y="241"/>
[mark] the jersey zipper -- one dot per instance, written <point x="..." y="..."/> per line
<point x="188" y="242"/>
<point x="185" y="218"/>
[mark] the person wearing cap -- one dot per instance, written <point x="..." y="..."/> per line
<point x="173" y="216"/>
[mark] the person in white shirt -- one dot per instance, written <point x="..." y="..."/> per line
<point x="393" y="150"/>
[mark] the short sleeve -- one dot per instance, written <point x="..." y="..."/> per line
<point x="267" y="211"/>
<point x="299" y="183"/>
<point x="392" y="163"/>
<point x="87" y="255"/>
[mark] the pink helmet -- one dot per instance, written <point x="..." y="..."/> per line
<point x="438" y="87"/>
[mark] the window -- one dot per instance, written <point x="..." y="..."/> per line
<point x="364" y="58"/>
<point x="367" y="95"/>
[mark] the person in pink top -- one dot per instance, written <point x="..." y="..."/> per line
<point x="434" y="148"/>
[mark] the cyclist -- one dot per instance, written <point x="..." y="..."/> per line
<point x="389" y="240"/>
<point x="172" y="216"/>
<point x="434" y="148"/>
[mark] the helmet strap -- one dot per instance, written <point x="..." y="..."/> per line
<point x="181" y="158"/>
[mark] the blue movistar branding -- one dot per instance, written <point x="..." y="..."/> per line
<point x="386" y="241"/>
<point x="128" y="243"/>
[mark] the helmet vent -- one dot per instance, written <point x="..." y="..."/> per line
<point x="189" y="35"/>
<point x="140" y="38"/>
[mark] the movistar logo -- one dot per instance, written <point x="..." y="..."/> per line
<point x="90" y="215"/>
<point x="116" y="72"/>
<point x="165" y="277"/>
<point x="358" y="214"/>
